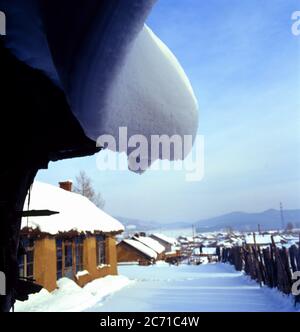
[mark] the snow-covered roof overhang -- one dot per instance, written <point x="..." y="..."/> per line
<point x="76" y="213"/>
<point x="114" y="71"/>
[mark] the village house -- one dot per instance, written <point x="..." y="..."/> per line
<point x="76" y="242"/>
<point x="164" y="240"/>
<point x="140" y="249"/>
<point x="132" y="251"/>
<point x="152" y="244"/>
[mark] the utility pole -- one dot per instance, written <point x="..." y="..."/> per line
<point x="282" y="217"/>
<point x="259" y="229"/>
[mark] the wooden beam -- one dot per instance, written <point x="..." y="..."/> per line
<point x="37" y="213"/>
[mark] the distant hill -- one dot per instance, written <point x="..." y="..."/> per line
<point x="133" y="225"/>
<point x="243" y="221"/>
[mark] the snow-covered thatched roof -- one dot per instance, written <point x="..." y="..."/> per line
<point x="141" y="247"/>
<point x="75" y="212"/>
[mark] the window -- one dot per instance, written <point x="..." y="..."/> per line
<point x="69" y="257"/>
<point x="21" y="261"/>
<point x="68" y="254"/>
<point x="100" y="249"/>
<point x="79" y="254"/>
<point x="68" y="248"/>
<point x="59" y="258"/>
<point x="26" y="261"/>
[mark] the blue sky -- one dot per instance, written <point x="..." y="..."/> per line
<point x="243" y="63"/>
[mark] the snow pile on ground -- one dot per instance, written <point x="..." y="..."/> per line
<point x="284" y="302"/>
<point x="287" y="302"/>
<point x="75" y="212"/>
<point x="141" y="247"/>
<point x="70" y="297"/>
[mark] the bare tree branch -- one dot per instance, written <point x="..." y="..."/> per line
<point x="84" y="187"/>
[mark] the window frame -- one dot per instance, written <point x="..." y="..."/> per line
<point x="101" y="250"/>
<point x="68" y="245"/>
<point x="59" y="260"/>
<point x="72" y="255"/>
<point x="26" y="261"/>
<point x="79" y="251"/>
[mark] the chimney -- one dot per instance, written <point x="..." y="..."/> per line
<point x="66" y="185"/>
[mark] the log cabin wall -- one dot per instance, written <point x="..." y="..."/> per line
<point x="90" y="260"/>
<point x="44" y="266"/>
<point x="127" y="253"/>
<point x="45" y="261"/>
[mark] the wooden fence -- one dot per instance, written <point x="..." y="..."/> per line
<point x="269" y="265"/>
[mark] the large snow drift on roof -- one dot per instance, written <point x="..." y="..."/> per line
<point x="150" y="96"/>
<point x="120" y="76"/>
<point x="151" y="243"/>
<point x="142" y="248"/>
<point x="75" y="212"/>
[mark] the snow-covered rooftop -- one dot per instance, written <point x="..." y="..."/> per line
<point x="141" y="247"/>
<point x="151" y="243"/>
<point x="75" y="212"/>
<point x="263" y="239"/>
<point x="165" y="238"/>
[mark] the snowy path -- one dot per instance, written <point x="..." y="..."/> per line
<point x="211" y="287"/>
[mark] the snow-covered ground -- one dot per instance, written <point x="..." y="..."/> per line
<point x="209" y="287"/>
<point x="70" y="297"/>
